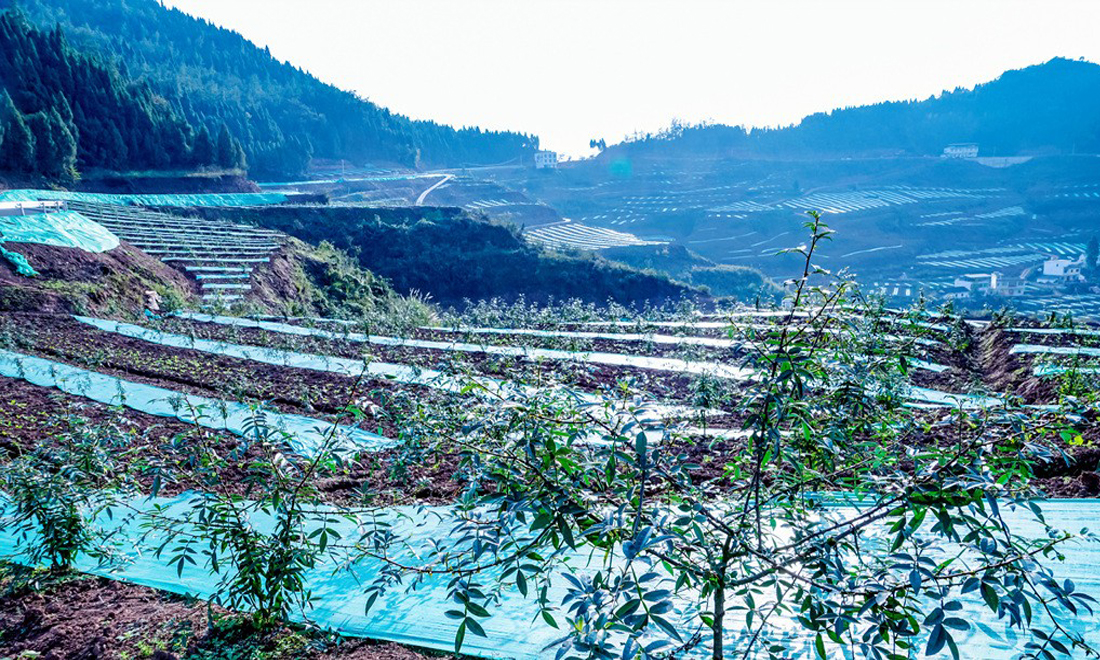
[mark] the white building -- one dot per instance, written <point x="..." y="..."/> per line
<point x="1010" y="287"/>
<point x="1064" y="270"/>
<point x="978" y="284"/>
<point x="962" y="150"/>
<point x="546" y="160"/>
<point x="956" y="293"/>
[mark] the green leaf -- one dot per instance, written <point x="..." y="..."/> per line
<point x="990" y="596"/>
<point x="460" y="636"/>
<point x="475" y="627"/>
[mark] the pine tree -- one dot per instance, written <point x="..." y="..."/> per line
<point x="17" y="151"/>
<point x="240" y="162"/>
<point x="114" y="123"/>
<point x="64" y="165"/>
<point x="226" y="157"/>
<point x="44" y="149"/>
<point x="202" y="152"/>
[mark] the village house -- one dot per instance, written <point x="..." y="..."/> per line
<point x="1062" y="269"/>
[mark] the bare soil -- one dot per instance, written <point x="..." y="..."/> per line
<point x="72" y="280"/>
<point x="88" y="618"/>
<point x="151" y="446"/>
<point x="301" y="391"/>
<point x="592" y="377"/>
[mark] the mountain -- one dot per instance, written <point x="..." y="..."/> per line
<point x="1041" y="109"/>
<point x="281" y="115"/>
<point x="61" y="110"/>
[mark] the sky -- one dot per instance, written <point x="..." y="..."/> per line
<point x="573" y="70"/>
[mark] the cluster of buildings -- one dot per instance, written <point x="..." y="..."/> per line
<point x="962" y="150"/>
<point x="1054" y="273"/>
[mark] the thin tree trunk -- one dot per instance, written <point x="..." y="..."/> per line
<point x="719" y="617"/>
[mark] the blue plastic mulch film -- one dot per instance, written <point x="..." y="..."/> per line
<point x="22" y="266"/>
<point x="416" y="616"/>
<point x="593" y="357"/>
<point x="1071" y="332"/>
<point x="305" y="435"/>
<point x="671" y="340"/>
<point x="179" y="200"/>
<point x="61" y="229"/>
<point x="1040" y="349"/>
<point x="920" y="395"/>
<point x="401" y="373"/>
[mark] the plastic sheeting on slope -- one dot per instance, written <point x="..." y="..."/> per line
<point x="1039" y="349"/>
<point x="304" y="434"/>
<point x="722" y="325"/>
<point x="182" y="200"/>
<point x="921" y="394"/>
<point x="514" y="630"/>
<point x="411" y="617"/>
<point x="344" y="366"/>
<point x="61" y="229"/>
<point x="1058" y="369"/>
<point x="1073" y="332"/>
<point x="429" y="377"/>
<point x="1042" y="370"/>
<point x="940" y="398"/>
<point x="673" y="340"/>
<point x="19" y="262"/>
<point x="612" y="359"/>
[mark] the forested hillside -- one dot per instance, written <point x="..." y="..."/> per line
<point x="1047" y="108"/>
<point x="281" y="114"/>
<point x="61" y="111"/>
<point x="452" y="255"/>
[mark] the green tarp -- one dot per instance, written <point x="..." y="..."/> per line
<point x="61" y="229"/>
<point x="22" y="266"/>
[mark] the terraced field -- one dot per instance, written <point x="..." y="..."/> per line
<point x="659" y="482"/>
<point x="220" y="255"/>
<point x="413" y="415"/>
<point x="910" y="225"/>
<point x="583" y="237"/>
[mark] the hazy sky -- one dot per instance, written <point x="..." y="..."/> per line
<point x="571" y="70"/>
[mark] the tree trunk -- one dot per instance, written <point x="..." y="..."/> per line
<point x="719" y="618"/>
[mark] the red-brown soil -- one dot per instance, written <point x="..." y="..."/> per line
<point x="149" y="446"/>
<point x="591" y="377"/>
<point x="86" y="618"/>
<point x="71" y="280"/>
<point x="302" y="391"/>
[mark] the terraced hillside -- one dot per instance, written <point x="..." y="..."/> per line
<point x="218" y="415"/>
<point x="221" y="256"/>
<point x="350" y="464"/>
<point x="575" y="235"/>
<point x="916" y="224"/>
